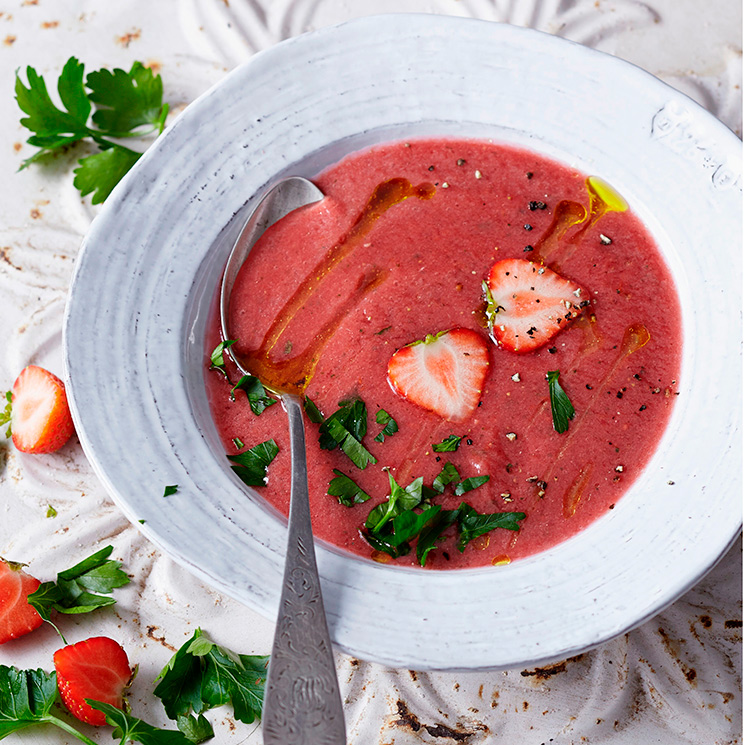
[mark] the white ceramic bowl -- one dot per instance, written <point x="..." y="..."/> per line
<point x="135" y="326"/>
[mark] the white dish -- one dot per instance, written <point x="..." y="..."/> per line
<point x="145" y="279"/>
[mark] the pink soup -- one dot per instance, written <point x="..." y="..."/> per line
<point x="399" y="249"/>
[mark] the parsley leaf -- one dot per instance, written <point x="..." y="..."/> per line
<point x="448" y="445"/>
<point x="172" y="489"/>
<point x="101" y="172"/>
<point x="127" y="100"/>
<point x="252" y="464"/>
<point x="472" y="524"/>
<point x="131" y="729"/>
<point x="313" y="412"/>
<point x="202" y="675"/>
<point x="409" y="524"/>
<point x="26" y="698"/>
<point x="346" y="490"/>
<point x="127" y="104"/>
<point x="399" y="500"/>
<point x="390" y="425"/>
<point x="82" y="588"/>
<point x="217" y="358"/>
<point x="448" y="475"/>
<point x="469" y="484"/>
<point x="433" y="533"/>
<point x="255" y="392"/>
<point x="561" y="407"/>
<point x="345" y="429"/>
<point x="7" y="413"/>
<point x="44" y="119"/>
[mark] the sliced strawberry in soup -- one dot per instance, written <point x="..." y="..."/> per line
<point x="443" y="373"/>
<point x="528" y="304"/>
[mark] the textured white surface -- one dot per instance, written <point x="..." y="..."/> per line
<point x="676" y="679"/>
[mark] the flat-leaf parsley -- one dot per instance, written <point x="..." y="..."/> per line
<point x="123" y="104"/>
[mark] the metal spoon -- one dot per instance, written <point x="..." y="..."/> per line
<point x="302" y="703"/>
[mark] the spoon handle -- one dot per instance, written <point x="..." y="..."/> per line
<point x="302" y="704"/>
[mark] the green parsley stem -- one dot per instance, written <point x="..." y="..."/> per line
<point x="68" y="728"/>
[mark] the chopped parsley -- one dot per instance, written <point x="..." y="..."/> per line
<point x="258" y="398"/>
<point x="217" y="358"/>
<point x="561" y="407"/>
<point x="345" y="429"/>
<point x="346" y="490"/>
<point x="170" y="490"/>
<point x="407" y="515"/>
<point x="251" y="465"/>
<point x="447" y="475"/>
<point x="472" y="524"/>
<point x="469" y="484"/>
<point x="390" y="426"/>
<point x="313" y="412"/>
<point x="448" y="445"/>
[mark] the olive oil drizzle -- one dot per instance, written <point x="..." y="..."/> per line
<point x="292" y="375"/>
<point x="602" y="198"/>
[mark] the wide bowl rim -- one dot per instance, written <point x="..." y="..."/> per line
<point x="146" y="185"/>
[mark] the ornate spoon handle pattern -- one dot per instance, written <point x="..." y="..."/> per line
<point x="302" y="704"/>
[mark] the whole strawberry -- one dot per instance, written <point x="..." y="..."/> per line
<point x="40" y="418"/>
<point x="17" y="617"/>
<point x="97" y="669"/>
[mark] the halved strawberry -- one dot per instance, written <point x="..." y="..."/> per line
<point x="443" y="373"/>
<point x="17" y="617"/>
<point x="40" y="419"/>
<point x="96" y="668"/>
<point x="528" y="304"/>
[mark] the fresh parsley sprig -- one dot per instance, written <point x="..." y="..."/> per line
<point x="202" y="675"/>
<point x="82" y="588"/>
<point x="104" y="106"/>
<point x="561" y="407"/>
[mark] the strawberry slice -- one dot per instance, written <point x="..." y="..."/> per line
<point x="17" y="617"/>
<point x="96" y="668"/>
<point x="443" y="373"/>
<point x="40" y="419"/>
<point x="528" y="304"/>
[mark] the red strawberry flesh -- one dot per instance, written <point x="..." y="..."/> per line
<point x="40" y="420"/>
<point x="97" y="669"/>
<point x="443" y="373"/>
<point x="17" y="617"/>
<point x="530" y="304"/>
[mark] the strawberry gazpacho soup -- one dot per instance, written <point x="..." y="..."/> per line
<point x="487" y="342"/>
